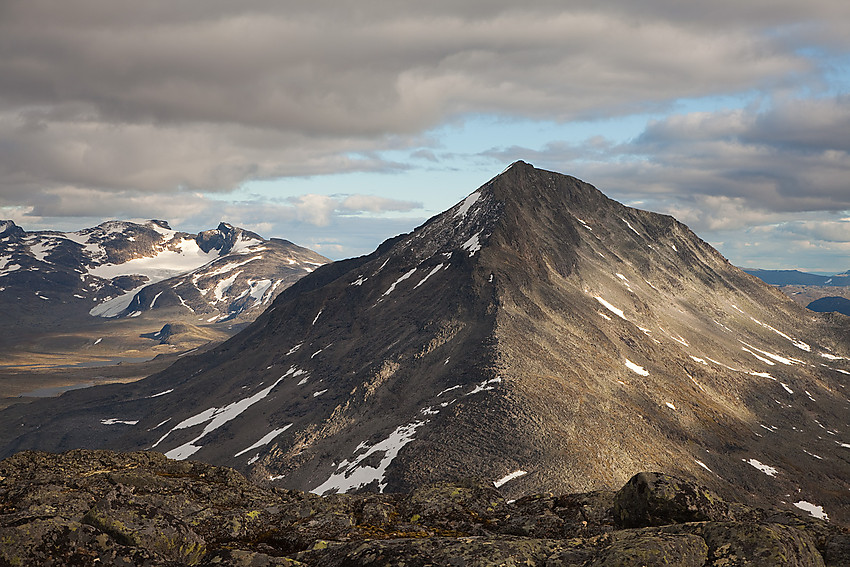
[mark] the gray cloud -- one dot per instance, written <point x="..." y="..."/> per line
<point x="731" y="166"/>
<point x="206" y="94"/>
<point x="761" y="182"/>
<point x="113" y="109"/>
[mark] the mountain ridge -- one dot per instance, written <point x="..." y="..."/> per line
<point x="92" y="295"/>
<point x="535" y="327"/>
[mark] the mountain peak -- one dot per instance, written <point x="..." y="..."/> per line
<point x="159" y="223"/>
<point x="9" y="228"/>
<point x="536" y="332"/>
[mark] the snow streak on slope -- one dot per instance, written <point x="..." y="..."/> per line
<point x="356" y="474"/>
<point x="214" y="418"/>
<point x="265" y="440"/>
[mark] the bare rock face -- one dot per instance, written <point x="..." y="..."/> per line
<point x="104" y="508"/>
<point x="538" y="334"/>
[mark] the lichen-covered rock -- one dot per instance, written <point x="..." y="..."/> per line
<point x="139" y="521"/>
<point x="836" y="550"/>
<point x="421" y="552"/>
<point x="240" y="558"/>
<point x="651" y="550"/>
<point x="455" y="506"/>
<point x="758" y="545"/>
<point x="88" y="508"/>
<point x="655" y="499"/>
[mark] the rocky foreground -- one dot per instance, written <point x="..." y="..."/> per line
<point x="105" y="508"/>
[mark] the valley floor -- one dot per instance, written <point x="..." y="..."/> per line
<point x="23" y="385"/>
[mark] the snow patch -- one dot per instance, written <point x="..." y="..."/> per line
<point x="813" y="509"/>
<point x="766" y="469"/>
<point x="761" y="358"/>
<point x="508" y="477"/>
<point x="214" y="418"/>
<point x="637" y="369"/>
<point x="618" y="312"/>
<point x="472" y="245"/>
<point x="224" y="286"/>
<point x="162" y="393"/>
<point x="776" y="357"/>
<point x="466" y="204"/>
<point x="398" y="281"/>
<point x="762" y="374"/>
<point x="449" y="389"/>
<point x="631" y="227"/>
<point x="265" y="440"/>
<point x="227" y="267"/>
<point x="296" y="347"/>
<point x="115" y="306"/>
<point x="485" y="386"/>
<point x="115" y="421"/>
<point x="584" y="224"/>
<point x="436" y="269"/>
<point x="355" y="474"/>
<point x="184" y="257"/>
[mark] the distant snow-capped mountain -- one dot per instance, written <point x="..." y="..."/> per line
<point x="537" y="334"/>
<point x="122" y="269"/>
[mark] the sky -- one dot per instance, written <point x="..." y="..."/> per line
<point x="338" y="124"/>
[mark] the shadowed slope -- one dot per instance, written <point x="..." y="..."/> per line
<point x="537" y="332"/>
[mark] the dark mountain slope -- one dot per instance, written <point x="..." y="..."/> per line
<point x="537" y="333"/>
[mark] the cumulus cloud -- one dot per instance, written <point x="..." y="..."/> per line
<point x="138" y="108"/>
<point x="734" y="167"/>
<point x="207" y="95"/>
<point x="769" y="180"/>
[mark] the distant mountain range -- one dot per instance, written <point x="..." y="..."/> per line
<point x="537" y="334"/>
<point x="796" y="277"/>
<point x="819" y="293"/>
<point x="63" y="282"/>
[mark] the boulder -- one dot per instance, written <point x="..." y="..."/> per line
<point x="656" y="499"/>
<point x="109" y="509"/>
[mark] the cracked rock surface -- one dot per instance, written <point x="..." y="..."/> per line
<point x="105" y="508"/>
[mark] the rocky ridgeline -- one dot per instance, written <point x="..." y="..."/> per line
<point x="105" y="508"/>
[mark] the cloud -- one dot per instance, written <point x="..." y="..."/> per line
<point x="730" y="166"/>
<point x="373" y="204"/>
<point x="162" y="108"/>
<point x="336" y="232"/>
<point x="208" y="95"/>
<point x="318" y="210"/>
<point x="835" y="231"/>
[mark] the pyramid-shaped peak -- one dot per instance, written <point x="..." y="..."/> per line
<point x="522" y="184"/>
<point x="537" y="327"/>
